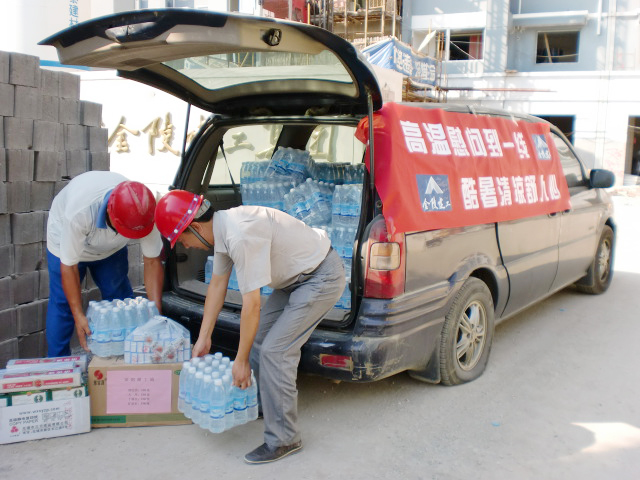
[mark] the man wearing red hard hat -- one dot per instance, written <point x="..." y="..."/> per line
<point x="90" y="223"/>
<point x="266" y="247"/>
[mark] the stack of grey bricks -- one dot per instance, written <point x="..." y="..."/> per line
<point x="47" y="137"/>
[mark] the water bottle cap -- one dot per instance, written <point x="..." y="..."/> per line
<point x="186" y="364"/>
<point x="192" y="369"/>
<point x="207" y="378"/>
<point x="217" y="382"/>
<point x="207" y="370"/>
<point x="199" y="375"/>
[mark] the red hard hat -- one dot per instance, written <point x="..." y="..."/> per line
<point x="131" y="207"/>
<point x="175" y="211"/>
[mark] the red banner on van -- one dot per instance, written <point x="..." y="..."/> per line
<point x="438" y="169"/>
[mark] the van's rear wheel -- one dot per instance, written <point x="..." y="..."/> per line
<point x="467" y="334"/>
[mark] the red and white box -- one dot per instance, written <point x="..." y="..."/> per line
<point x="20" y="381"/>
<point x="78" y="361"/>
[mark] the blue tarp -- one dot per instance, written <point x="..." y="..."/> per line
<point x="395" y="55"/>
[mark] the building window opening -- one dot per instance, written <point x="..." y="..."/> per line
<point x="465" y="45"/>
<point x="557" y="47"/>
<point x="563" y="122"/>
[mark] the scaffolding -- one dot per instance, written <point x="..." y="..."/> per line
<point x="360" y="22"/>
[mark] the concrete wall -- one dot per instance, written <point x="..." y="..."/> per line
<point x="47" y="136"/>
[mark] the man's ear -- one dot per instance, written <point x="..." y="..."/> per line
<point x="197" y="226"/>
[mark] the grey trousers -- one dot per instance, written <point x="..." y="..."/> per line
<point x="286" y="321"/>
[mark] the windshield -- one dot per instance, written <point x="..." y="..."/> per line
<point x="219" y="71"/>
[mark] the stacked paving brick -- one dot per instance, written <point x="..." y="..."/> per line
<point x="47" y="137"/>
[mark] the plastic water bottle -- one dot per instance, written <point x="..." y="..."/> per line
<point x="130" y="323"/>
<point x="336" y="207"/>
<point x="217" y="404"/>
<point x="195" y="400"/>
<point x="239" y="405"/>
<point x="117" y="331"/>
<point x="188" y="395"/>
<point x="218" y="355"/>
<point x="204" y="398"/>
<point x="153" y="309"/>
<point x="225" y="361"/>
<point x="142" y="313"/>
<point x="229" y="417"/>
<point x="208" y="269"/>
<point x="182" y="385"/>
<point x="252" y="399"/>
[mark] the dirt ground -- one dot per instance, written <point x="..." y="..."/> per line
<point x="559" y="400"/>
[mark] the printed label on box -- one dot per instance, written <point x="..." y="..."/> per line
<point x="139" y="391"/>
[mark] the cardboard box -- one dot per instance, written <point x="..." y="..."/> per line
<point x="44" y="420"/>
<point x="16" y="380"/>
<point x="35" y="363"/>
<point x="125" y="395"/>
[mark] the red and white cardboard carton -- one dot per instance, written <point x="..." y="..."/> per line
<point x="78" y="360"/>
<point x="20" y="381"/>
<point x="45" y="420"/>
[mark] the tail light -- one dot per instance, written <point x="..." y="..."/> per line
<point x="385" y="262"/>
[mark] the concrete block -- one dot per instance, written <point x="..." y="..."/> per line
<point x="47" y="167"/>
<point x="48" y="136"/>
<point x="98" y="139"/>
<point x="31" y="317"/>
<point x="1" y="132"/>
<point x="100" y="161"/>
<point x="135" y="275"/>
<point x="4" y="67"/>
<point x="26" y="287"/>
<point x="75" y="137"/>
<point x="134" y="254"/>
<point x="18" y="197"/>
<point x="28" y="102"/>
<point x="6" y="260"/>
<point x="24" y="70"/>
<point x="5" y="231"/>
<point x="4" y="204"/>
<point x="3" y="165"/>
<point x="8" y="350"/>
<point x="90" y="114"/>
<point x="27" y="227"/>
<point x="69" y="85"/>
<point x="69" y="112"/>
<point x="50" y="108"/>
<point x="50" y="83"/>
<point x="6" y="293"/>
<point x="33" y="345"/>
<point x="59" y="186"/>
<point x="18" y="132"/>
<point x="77" y="162"/>
<point x="27" y="257"/>
<point x="7" y="99"/>
<point x="43" y="263"/>
<point x="41" y="195"/>
<point x="44" y="284"/>
<point x="19" y="165"/>
<point x="8" y="324"/>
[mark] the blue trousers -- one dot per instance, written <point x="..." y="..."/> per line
<point x="109" y="274"/>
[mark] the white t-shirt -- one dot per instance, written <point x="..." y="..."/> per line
<point x="73" y="234"/>
<point x="267" y="246"/>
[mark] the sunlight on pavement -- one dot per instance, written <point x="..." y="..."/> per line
<point x="611" y="436"/>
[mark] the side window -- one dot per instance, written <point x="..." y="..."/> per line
<point x="570" y="164"/>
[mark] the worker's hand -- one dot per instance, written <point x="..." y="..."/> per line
<point x="202" y="346"/>
<point x="241" y="373"/>
<point x="82" y="329"/>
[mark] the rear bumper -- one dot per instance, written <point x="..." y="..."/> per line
<point x="388" y="337"/>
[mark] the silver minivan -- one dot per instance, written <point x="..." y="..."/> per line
<point x="422" y="301"/>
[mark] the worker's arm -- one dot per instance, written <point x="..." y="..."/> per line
<point x="212" y="306"/>
<point x="153" y="280"/>
<point x="249" y="321"/>
<point x="71" y="286"/>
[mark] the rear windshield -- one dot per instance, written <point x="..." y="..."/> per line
<point x="215" y="72"/>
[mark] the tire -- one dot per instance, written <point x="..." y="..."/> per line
<point x="598" y="277"/>
<point x="467" y="334"/>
